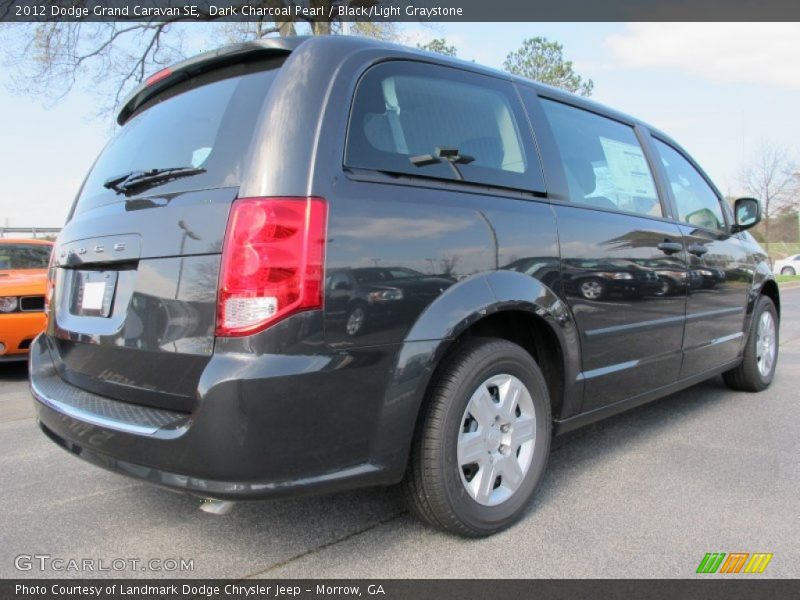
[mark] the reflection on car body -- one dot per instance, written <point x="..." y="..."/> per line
<point x="601" y="279"/>
<point x="360" y="296"/>
<point x="672" y="273"/>
<point x="710" y="276"/>
<point x="544" y="268"/>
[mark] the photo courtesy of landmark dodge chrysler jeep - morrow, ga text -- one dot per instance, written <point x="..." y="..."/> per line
<point x="314" y="264"/>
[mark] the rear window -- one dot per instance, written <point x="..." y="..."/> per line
<point x="207" y="122"/>
<point x="24" y="256"/>
<point x="403" y="111"/>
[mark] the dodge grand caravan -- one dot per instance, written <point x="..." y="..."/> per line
<point x="305" y="265"/>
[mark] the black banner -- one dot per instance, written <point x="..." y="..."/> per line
<point x="733" y="588"/>
<point x="400" y="10"/>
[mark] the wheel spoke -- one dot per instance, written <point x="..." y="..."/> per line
<point x="511" y="473"/>
<point x="524" y="431"/>
<point x="471" y="448"/>
<point x="482" y="407"/>
<point x="510" y="393"/>
<point x="486" y="477"/>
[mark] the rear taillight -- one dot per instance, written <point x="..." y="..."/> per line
<point x="272" y="262"/>
<point x="51" y="280"/>
<point x="158" y="76"/>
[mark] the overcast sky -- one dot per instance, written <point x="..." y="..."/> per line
<point x="721" y="90"/>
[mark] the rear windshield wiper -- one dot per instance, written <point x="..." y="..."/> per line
<point x="449" y="155"/>
<point x="134" y="179"/>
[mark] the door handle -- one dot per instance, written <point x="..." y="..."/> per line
<point x="669" y="247"/>
<point x="697" y="249"/>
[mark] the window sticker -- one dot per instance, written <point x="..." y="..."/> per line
<point x="628" y="169"/>
<point x="200" y="155"/>
<point x="604" y="180"/>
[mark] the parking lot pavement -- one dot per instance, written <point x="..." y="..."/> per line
<point x="644" y="494"/>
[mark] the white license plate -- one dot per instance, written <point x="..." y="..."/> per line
<point x="93" y="295"/>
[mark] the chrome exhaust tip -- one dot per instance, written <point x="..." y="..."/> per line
<point x="216" y="507"/>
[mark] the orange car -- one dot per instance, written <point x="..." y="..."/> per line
<point x="23" y="280"/>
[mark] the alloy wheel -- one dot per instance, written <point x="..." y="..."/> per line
<point x="355" y="321"/>
<point x="591" y="290"/>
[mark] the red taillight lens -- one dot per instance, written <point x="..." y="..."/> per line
<point x="51" y="280"/>
<point x="272" y="262"/>
<point x="158" y="76"/>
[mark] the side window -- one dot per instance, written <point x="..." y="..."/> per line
<point x="404" y="111"/>
<point x="603" y="160"/>
<point x="339" y="281"/>
<point x="696" y="202"/>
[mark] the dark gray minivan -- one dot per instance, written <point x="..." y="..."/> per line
<point x="307" y="265"/>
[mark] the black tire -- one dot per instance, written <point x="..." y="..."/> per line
<point x="747" y="377"/>
<point x="788" y="271"/>
<point x="433" y="487"/>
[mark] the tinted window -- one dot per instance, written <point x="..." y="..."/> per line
<point x="339" y="281"/>
<point x="696" y="202"/>
<point x="24" y="256"/>
<point x="369" y="275"/>
<point x="603" y="161"/>
<point x="404" y="110"/>
<point x="401" y="273"/>
<point x="208" y="126"/>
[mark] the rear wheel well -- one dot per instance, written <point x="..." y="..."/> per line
<point x="770" y="289"/>
<point x="535" y="336"/>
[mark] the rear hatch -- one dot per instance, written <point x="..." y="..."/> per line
<point x="137" y="265"/>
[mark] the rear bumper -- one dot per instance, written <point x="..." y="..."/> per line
<point x="15" y="330"/>
<point x="264" y="426"/>
<point x="14" y="358"/>
<point x="357" y="476"/>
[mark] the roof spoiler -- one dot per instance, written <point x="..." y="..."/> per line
<point x="202" y="63"/>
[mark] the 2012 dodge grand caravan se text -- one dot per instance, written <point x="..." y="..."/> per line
<point x="316" y="264"/>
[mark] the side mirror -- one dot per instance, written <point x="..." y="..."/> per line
<point x="340" y="286"/>
<point x="747" y="212"/>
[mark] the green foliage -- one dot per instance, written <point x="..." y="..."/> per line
<point x="543" y="60"/>
<point x="439" y="46"/>
<point x="784" y="227"/>
<point x="787" y="278"/>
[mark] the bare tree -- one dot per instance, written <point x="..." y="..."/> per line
<point x="771" y="177"/>
<point x="113" y="57"/>
<point x="448" y="266"/>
